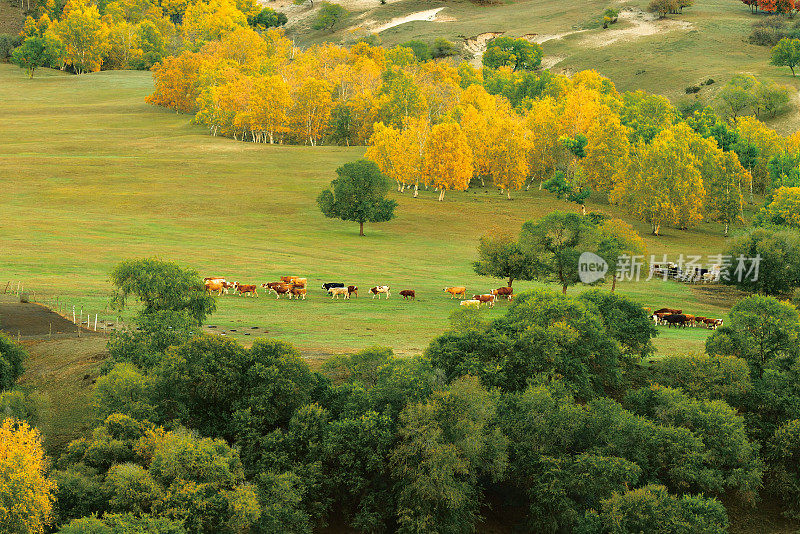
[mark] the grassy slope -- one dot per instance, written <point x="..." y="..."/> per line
<point x="93" y="176"/>
<point x="665" y="63"/>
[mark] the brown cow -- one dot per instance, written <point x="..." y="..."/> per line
<point x="456" y="291"/>
<point x="298" y="292"/>
<point x="217" y="285"/>
<point x="246" y="289"/>
<point x="507" y="292"/>
<point x="668" y="311"/>
<point x="485" y="299"/>
<point x="408" y="294"/>
<point x="279" y="289"/>
<point x="352" y="290"/>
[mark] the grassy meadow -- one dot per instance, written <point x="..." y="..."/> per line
<point x="92" y="175"/>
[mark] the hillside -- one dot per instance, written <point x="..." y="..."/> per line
<point x="709" y="40"/>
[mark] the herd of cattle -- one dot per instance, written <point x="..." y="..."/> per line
<point x="295" y="287"/>
<point x="672" y="317"/>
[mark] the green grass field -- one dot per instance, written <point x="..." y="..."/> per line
<point x="92" y="176"/>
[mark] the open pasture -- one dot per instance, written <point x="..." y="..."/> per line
<point x="92" y="175"/>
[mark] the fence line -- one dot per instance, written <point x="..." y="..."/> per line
<point x="66" y="308"/>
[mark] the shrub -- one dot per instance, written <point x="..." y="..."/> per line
<point x="692" y="89"/>
<point x="420" y="49"/>
<point x="329" y="16"/>
<point x="443" y="48"/>
<point x="7" y="45"/>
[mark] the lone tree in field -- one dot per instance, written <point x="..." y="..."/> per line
<point x="502" y="257"/>
<point x="32" y="54"/>
<point x="786" y="53"/>
<point x="358" y="194"/>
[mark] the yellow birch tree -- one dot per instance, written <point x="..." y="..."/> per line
<point x="448" y="159"/>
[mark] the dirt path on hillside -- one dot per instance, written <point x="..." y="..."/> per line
<point x="428" y="15"/>
<point x="637" y="24"/>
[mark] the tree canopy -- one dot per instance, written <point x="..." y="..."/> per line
<point x="358" y="194"/>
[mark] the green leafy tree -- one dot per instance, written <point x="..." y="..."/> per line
<point x="625" y="321"/>
<point x="761" y="330"/>
<point x="786" y="53"/>
<point x="783" y="460"/>
<point x="445" y="446"/>
<point x="703" y="376"/>
<point x="555" y="242"/>
<point x="443" y="48"/>
<point x="161" y="286"/>
<point x="500" y="256"/>
<point x="652" y="509"/>
<point x="519" y="54"/>
<point x="358" y="194"/>
<point x="123" y="524"/>
<point x="329" y="16"/>
<point x="268" y="18"/>
<point x="124" y="390"/>
<point x="420" y="49"/>
<point x="32" y="54"/>
<point x="11" y="358"/>
<point x="778" y="251"/>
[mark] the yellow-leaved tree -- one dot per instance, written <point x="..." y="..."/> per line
<point x="606" y="150"/>
<point x="448" y="159"/>
<point x="785" y="207"/>
<point x="84" y="36"/>
<point x="311" y="113"/>
<point x="508" y="153"/>
<point x="210" y="21"/>
<point x="544" y="149"/>
<point x="662" y="182"/>
<point x="768" y="143"/>
<point x="270" y="106"/>
<point x="26" y="494"/>
<point x="387" y="152"/>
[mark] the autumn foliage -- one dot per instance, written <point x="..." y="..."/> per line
<point x="26" y="494"/>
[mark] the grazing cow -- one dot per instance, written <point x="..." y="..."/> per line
<point x="270" y="285"/>
<point x="456" y="291"/>
<point x="217" y="285"/>
<point x="408" y="294"/>
<point x="712" y="323"/>
<point x="279" y="289"/>
<point x="668" y="311"/>
<point x="300" y="282"/>
<point x="336" y="291"/>
<point x="245" y="289"/>
<point x="471" y="303"/>
<point x="377" y="290"/>
<point x="676" y="319"/>
<point x="298" y="292"/>
<point x="288" y="279"/>
<point x="507" y="292"/>
<point x="329" y="285"/>
<point x="690" y="319"/>
<point x="352" y="290"/>
<point x="487" y="298"/>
